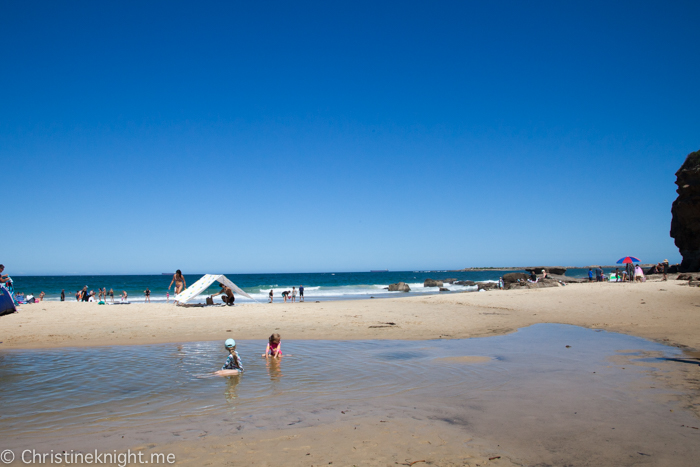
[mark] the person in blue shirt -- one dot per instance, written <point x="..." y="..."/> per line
<point x="590" y="275"/>
<point x="233" y="365"/>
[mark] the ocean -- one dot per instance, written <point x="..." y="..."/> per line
<point x="318" y="286"/>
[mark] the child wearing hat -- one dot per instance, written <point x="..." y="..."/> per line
<point x="233" y="365"/>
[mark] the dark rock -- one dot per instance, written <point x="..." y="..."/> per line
<point x="487" y="285"/>
<point x="688" y="277"/>
<point x="694" y="283"/>
<point x="399" y="287"/>
<point x="465" y="283"/>
<point x="450" y="280"/>
<point x="443" y="289"/>
<point x="513" y="277"/>
<point x="432" y="283"/>
<point x="685" y="224"/>
<point x="540" y="284"/>
<point x="550" y="269"/>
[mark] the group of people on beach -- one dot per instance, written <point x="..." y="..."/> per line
<point x="85" y="295"/>
<point x="631" y="273"/>
<point x="234" y="366"/>
<point x="290" y="295"/>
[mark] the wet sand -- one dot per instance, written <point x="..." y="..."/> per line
<point x="667" y="312"/>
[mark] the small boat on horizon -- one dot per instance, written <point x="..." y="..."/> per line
<point x="379" y="270"/>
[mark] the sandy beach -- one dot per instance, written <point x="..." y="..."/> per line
<point x="665" y="312"/>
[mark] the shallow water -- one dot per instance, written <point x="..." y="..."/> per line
<point x="98" y="388"/>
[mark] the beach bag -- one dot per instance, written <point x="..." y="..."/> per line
<point x="210" y="301"/>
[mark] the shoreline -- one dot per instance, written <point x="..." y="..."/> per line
<point x="665" y="312"/>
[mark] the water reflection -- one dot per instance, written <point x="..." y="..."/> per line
<point x="76" y="392"/>
<point x="231" y="391"/>
<point x="274" y="368"/>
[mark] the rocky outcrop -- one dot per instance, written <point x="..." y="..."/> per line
<point x="487" y="285"/>
<point x="540" y="284"/>
<point x="550" y="270"/>
<point x="399" y="287"/>
<point x="465" y="283"/>
<point x="685" y="224"/>
<point x="432" y="283"/>
<point x="513" y="277"/>
<point x="451" y="280"/>
<point x="443" y="289"/>
<point x="688" y="277"/>
<point x="565" y="279"/>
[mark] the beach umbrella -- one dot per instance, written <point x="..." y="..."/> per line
<point x="628" y="259"/>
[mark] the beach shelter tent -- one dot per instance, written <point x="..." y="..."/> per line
<point x="7" y="305"/>
<point x="205" y="281"/>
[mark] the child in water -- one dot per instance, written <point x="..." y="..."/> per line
<point x="233" y="365"/>
<point x="274" y="347"/>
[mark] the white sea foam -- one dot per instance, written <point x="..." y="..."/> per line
<point x="324" y="293"/>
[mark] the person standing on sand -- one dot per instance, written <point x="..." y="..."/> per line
<point x="294" y="294"/>
<point x="147" y="292"/>
<point x="63" y="295"/>
<point x="630" y="272"/>
<point x="599" y="274"/>
<point x="111" y="294"/>
<point x="301" y="293"/>
<point x="590" y="275"/>
<point x="271" y="295"/>
<point x="179" y="280"/>
<point x="3" y="277"/>
<point x="665" y="269"/>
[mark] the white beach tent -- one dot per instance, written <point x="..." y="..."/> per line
<point x="205" y="281"/>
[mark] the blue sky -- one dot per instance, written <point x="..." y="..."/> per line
<point x="141" y="137"/>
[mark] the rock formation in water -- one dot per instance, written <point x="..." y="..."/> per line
<point x="399" y="287"/>
<point x="685" y="225"/>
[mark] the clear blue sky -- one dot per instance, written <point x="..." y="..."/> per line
<point x="233" y="136"/>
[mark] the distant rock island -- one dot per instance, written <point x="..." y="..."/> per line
<point x="537" y="269"/>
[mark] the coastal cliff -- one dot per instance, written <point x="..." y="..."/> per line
<point x="685" y="224"/>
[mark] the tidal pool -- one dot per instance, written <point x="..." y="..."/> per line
<point x="539" y="388"/>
